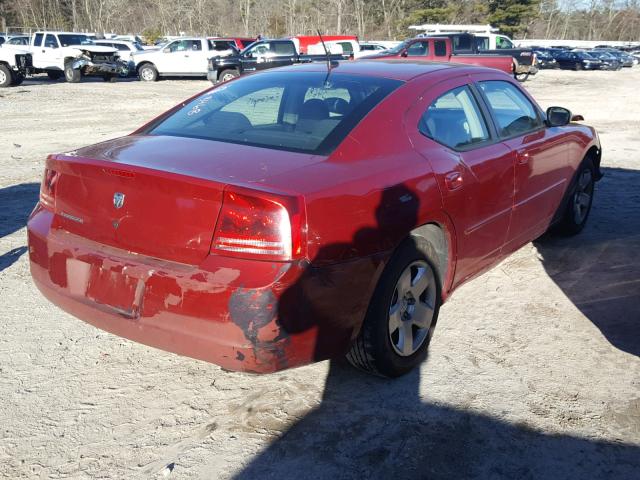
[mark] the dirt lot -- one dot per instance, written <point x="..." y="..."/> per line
<point x="534" y="370"/>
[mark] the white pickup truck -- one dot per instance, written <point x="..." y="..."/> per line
<point x="14" y="64"/>
<point x="73" y="55"/>
<point x="183" y="57"/>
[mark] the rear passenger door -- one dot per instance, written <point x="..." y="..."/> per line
<point x="539" y="154"/>
<point x="450" y="128"/>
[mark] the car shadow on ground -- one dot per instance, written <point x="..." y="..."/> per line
<point x="599" y="269"/>
<point x="17" y="201"/>
<point x="368" y="427"/>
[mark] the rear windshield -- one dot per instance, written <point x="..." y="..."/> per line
<point x="295" y="111"/>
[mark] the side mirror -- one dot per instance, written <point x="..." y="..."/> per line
<point x="558" y="116"/>
<point x="404" y="54"/>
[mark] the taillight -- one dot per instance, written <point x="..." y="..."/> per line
<point x="48" y="188"/>
<point x="260" y="225"/>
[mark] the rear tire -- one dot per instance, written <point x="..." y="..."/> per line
<point x="6" y="77"/>
<point x="402" y="314"/>
<point x="579" y="202"/>
<point x="148" y="73"/>
<point x="71" y="75"/>
<point x="228" y="74"/>
<point x="522" y="77"/>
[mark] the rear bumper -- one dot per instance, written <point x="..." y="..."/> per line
<point x="242" y="315"/>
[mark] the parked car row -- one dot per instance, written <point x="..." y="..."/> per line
<point x="603" y="58"/>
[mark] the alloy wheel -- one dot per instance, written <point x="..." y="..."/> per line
<point x="412" y="308"/>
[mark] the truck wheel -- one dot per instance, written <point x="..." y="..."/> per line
<point x="580" y="201"/>
<point x="228" y="74"/>
<point x="402" y="315"/>
<point x="71" y="75"/>
<point x="148" y="73"/>
<point x="54" y="74"/>
<point x="6" y="78"/>
<point x="522" y="77"/>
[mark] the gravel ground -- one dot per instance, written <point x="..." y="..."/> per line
<point x="534" y="370"/>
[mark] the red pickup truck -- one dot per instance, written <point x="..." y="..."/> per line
<point x="438" y="49"/>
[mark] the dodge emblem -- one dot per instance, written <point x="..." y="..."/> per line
<point x="118" y="199"/>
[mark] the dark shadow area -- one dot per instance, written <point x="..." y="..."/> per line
<point x="16" y="202"/>
<point x="599" y="269"/>
<point x="11" y="257"/>
<point x="371" y="428"/>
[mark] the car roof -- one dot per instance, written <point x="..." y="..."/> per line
<point x="397" y="69"/>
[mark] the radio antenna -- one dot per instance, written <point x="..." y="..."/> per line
<point x="326" y="52"/>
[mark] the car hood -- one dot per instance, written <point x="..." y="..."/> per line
<point x="205" y="159"/>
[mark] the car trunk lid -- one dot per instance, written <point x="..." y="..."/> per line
<point x="156" y="196"/>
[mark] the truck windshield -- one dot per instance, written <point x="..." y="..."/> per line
<point x="67" y="40"/>
<point x="293" y="111"/>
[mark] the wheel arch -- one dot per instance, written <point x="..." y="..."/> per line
<point x="440" y="236"/>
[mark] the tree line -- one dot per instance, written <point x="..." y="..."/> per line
<point x="369" y="19"/>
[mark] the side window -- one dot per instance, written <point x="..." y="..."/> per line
<point x="122" y="47"/>
<point x="454" y="119"/>
<point x="440" y="48"/>
<point x="503" y="42"/>
<point x="283" y="48"/>
<point x="512" y="110"/>
<point x="482" y="43"/>
<point x="259" y="108"/>
<point x="418" y="49"/>
<point x="259" y="50"/>
<point x="347" y="48"/>
<point x="50" y="41"/>
<point x="38" y="40"/>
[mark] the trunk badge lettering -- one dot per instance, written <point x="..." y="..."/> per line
<point x="118" y="199"/>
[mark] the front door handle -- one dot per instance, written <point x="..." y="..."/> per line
<point x="523" y="157"/>
<point x="453" y="180"/>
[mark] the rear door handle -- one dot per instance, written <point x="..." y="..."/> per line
<point x="453" y="180"/>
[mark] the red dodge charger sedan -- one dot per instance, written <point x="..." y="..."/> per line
<point x="303" y="213"/>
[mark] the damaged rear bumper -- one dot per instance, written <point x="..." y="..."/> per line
<point x="243" y="315"/>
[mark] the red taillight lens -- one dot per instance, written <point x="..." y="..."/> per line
<point x="48" y="188"/>
<point x="260" y="225"/>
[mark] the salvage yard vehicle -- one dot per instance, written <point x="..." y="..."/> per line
<point x="261" y="55"/>
<point x="23" y="40"/>
<point x="440" y="50"/>
<point x="239" y="43"/>
<point x="306" y="213"/>
<point x="73" y="55"/>
<point x="607" y="60"/>
<point x="14" y="65"/>
<point x="577" y="60"/>
<point x="183" y="57"/>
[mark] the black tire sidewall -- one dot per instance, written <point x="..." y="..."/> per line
<point x="376" y="325"/>
<point x="568" y="224"/>
<point x="234" y="74"/>
<point x="71" y="75"/>
<point x="152" y="69"/>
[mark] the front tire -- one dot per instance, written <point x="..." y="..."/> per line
<point x="71" y="75"/>
<point x="580" y="200"/>
<point x="148" y="73"/>
<point x="229" y="74"/>
<point x="402" y="314"/>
